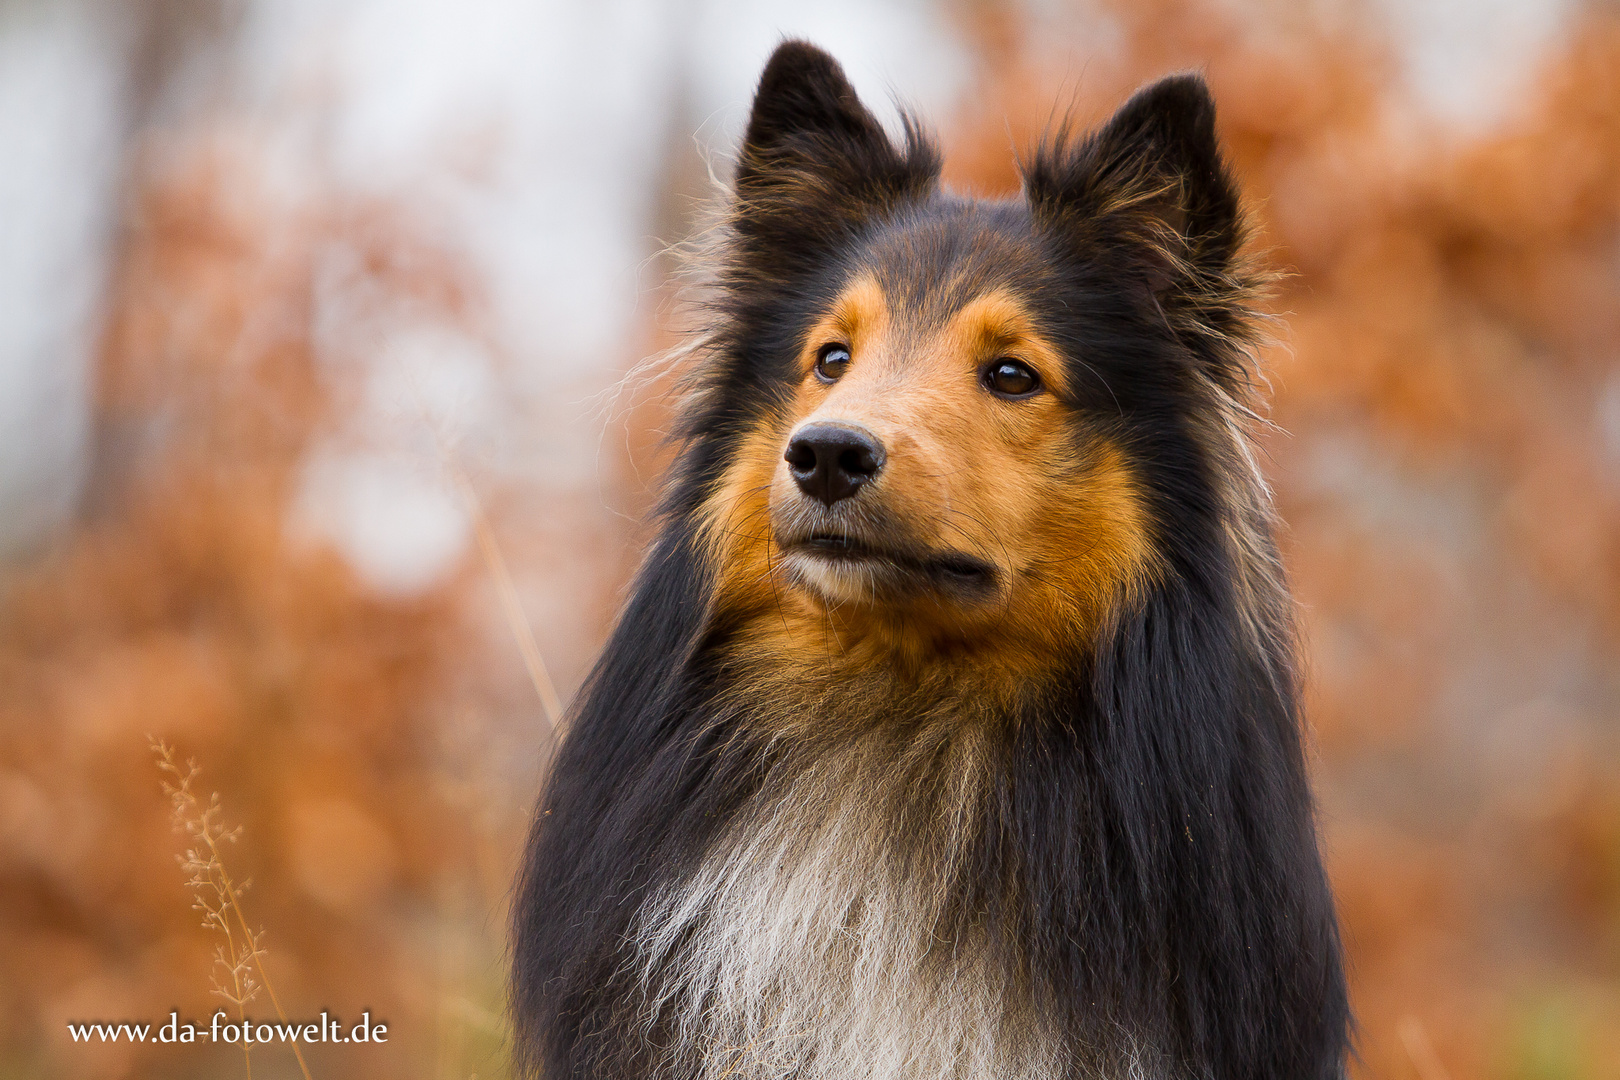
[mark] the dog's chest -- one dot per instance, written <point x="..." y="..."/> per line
<point x="822" y="938"/>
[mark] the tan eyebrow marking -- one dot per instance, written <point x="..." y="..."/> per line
<point x="859" y="314"/>
<point x="998" y="322"/>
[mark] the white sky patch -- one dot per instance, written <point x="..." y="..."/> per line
<point x="431" y="377"/>
<point x="61" y="123"/>
<point x="892" y="50"/>
<point x="401" y="526"/>
<point x="1466" y="62"/>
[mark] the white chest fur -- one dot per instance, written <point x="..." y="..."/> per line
<point x="823" y="938"/>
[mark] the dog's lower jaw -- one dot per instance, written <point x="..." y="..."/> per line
<point x="832" y="582"/>
<point x="874" y="581"/>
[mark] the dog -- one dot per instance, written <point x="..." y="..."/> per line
<point x="952" y="726"/>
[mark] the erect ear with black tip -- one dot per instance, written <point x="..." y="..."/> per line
<point x="803" y="98"/>
<point x="1153" y="173"/>
<point x="815" y="162"/>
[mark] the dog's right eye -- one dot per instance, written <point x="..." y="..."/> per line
<point x="831" y="362"/>
<point x="1011" y="379"/>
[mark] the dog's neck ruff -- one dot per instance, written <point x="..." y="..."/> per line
<point x="842" y="925"/>
<point x="827" y="935"/>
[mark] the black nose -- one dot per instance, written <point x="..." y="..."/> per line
<point x="832" y="461"/>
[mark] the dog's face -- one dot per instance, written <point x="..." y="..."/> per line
<point x="944" y="404"/>
<point x="929" y="453"/>
<point x="930" y="464"/>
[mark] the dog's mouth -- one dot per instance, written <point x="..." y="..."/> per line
<point x="955" y="572"/>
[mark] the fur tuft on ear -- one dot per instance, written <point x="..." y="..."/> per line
<point x="815" y="163"/>
<point x="1157" y="159"/>
<point x="1151" y="188"/>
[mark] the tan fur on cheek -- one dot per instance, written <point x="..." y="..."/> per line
<point x="1089" y="548"/>
<point x="735" y="521"/>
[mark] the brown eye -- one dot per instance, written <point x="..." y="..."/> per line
<point x="1009" y="378"/>
<point x="831" y="362"/>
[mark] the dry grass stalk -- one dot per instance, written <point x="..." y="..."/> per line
<point x="1420" y="1049"/>
<point x="510" y="602"/>
<point x="495" y="562"/>
<point x="217" y="896"/>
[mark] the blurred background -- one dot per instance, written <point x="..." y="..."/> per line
<point x="315" y="317"/>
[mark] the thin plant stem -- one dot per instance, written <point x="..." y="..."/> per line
<point x="495" y="562"/>
<point x="511" y="605"/>
<point x="243" y="961"/>
<point x="257" y="956"/>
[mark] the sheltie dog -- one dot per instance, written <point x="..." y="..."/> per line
<point x="952" y="727"/>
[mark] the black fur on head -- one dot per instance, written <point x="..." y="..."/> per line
<point x="1123" y="844"/>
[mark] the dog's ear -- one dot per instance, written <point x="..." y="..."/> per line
<point x="815" y="163"/>
<point x="1152" y="176"/>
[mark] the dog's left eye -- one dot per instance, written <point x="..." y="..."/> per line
<point x="1009" y="378"/>
<point x="831" y="361"/>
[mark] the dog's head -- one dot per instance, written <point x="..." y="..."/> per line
<point x="942" y="423"/>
